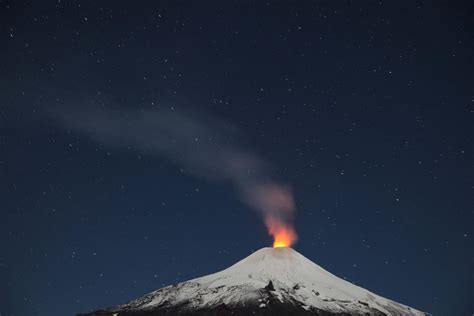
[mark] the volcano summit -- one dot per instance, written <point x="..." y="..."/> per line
<point x="271" y="281"/>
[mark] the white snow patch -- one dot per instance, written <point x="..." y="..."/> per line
<point x="294" y="278"/>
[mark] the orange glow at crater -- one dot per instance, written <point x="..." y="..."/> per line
<point x="284" y="238"/>
<point x="284" y="235"/>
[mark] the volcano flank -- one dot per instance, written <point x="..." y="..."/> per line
<point x="271" y="281"/>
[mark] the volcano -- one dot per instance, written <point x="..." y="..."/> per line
<point x="271" y="281"/>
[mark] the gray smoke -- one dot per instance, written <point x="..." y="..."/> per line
<point x="206" y="146"/>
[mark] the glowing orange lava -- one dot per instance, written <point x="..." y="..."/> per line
<point x="284" y="238"/>
<point x="284" y="235"/>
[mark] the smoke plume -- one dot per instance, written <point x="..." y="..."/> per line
<point x="207" y="146"/>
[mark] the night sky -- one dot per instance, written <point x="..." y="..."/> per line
<point x="363" y="108"/>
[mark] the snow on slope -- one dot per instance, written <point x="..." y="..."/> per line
<point x="294" y="278"/>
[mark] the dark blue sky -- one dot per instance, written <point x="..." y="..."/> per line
<point x="364" y="108"/>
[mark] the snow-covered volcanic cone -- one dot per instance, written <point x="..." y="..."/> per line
<point x="271" y="281"/>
